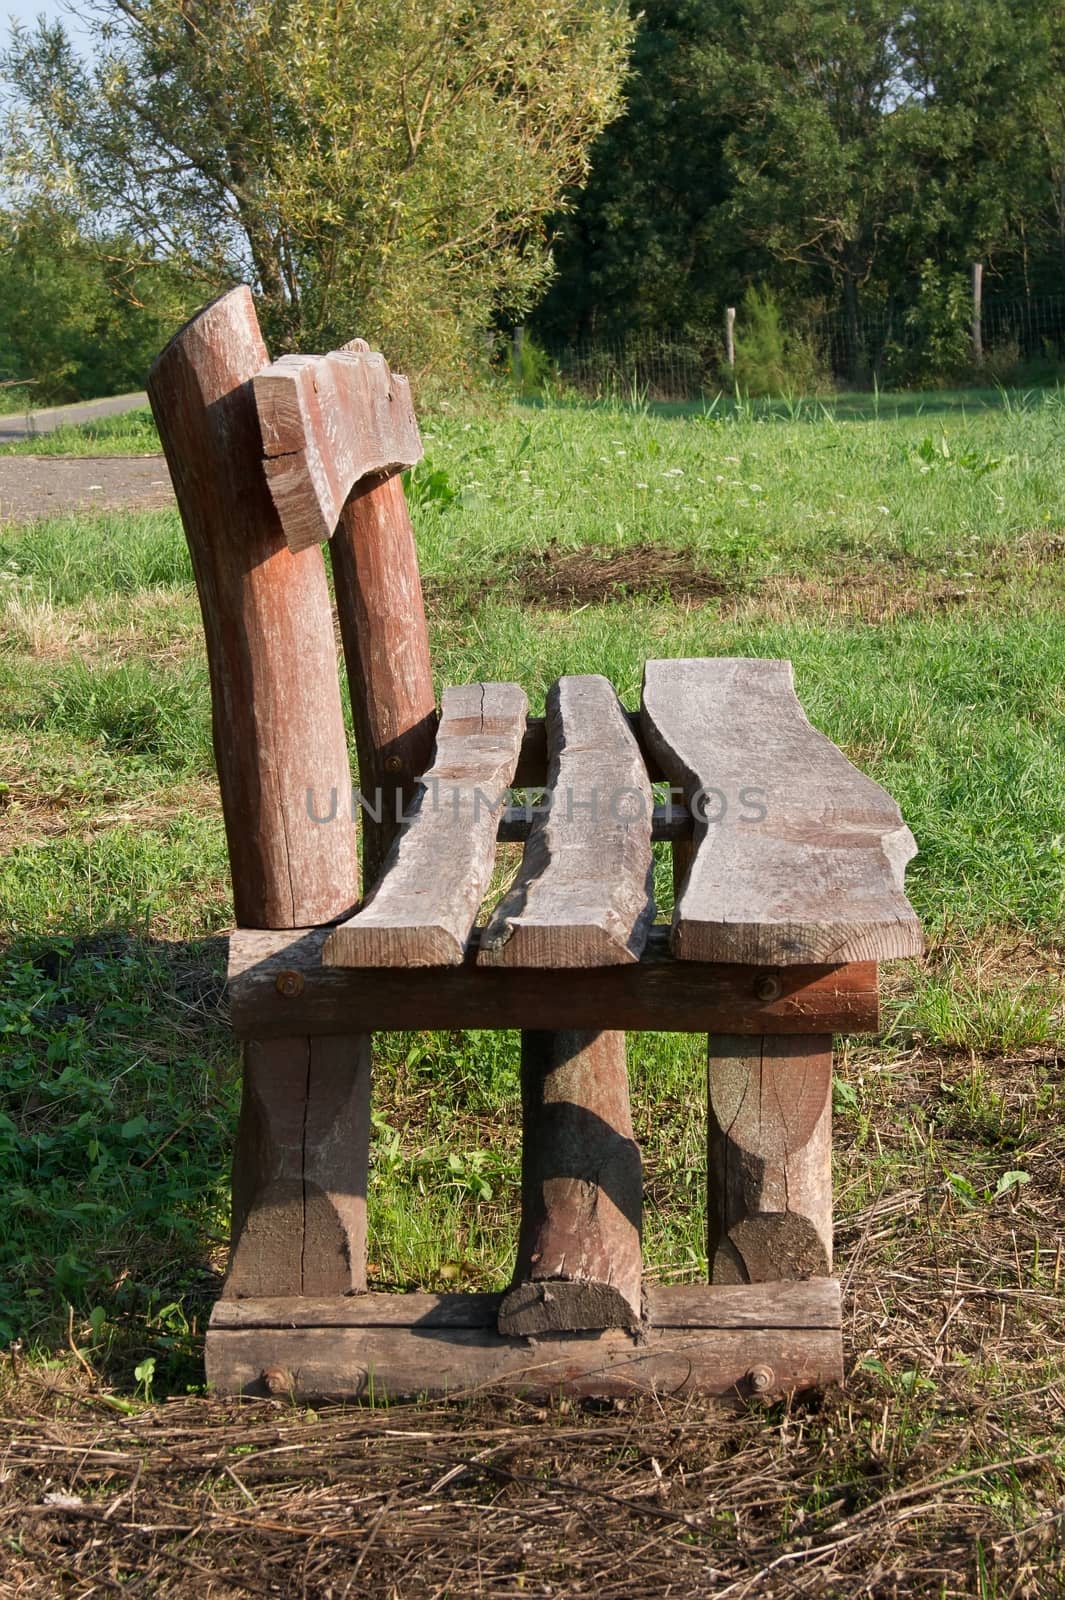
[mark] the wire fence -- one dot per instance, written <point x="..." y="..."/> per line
<point x="882" y="342"/>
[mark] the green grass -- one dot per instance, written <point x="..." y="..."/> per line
<point x="132" y="433"/>
<point x="906" y="557"/>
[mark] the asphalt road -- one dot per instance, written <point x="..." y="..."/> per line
<point x="21" y="425"/>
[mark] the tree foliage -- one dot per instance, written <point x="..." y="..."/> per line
<point x="844" y="152"/>
<point x="80" y="316"/>
<point x="385" y="169"/>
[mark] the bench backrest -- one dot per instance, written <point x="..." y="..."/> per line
<point x="335" y="432"/>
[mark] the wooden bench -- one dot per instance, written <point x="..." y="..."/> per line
<point x="788" y="867"/>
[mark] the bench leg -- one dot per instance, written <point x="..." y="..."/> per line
<point x="579" y="1263"/>
<point x="769" y="1190"/>
<point x="300" y="1168"/>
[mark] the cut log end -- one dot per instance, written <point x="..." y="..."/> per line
<point x="556" y="1305"/>
<point x="769" y="944"/>
<point x="772" y="1246"/>
<point x="366" y="945"/>
<point x="554" y="945"/>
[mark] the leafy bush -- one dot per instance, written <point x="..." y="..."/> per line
<point x="770" y="358"/>
<point x="936" y="350"/>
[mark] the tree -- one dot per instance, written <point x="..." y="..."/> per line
<point x="641" y="249"/>
<point x="79" y="317"/>
<point x="385" y="170"/>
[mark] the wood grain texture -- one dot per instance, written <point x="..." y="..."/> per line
<point x="386" y="647"/>
<point x="425" y="904"/>
<point x="279" y="986"/>
<point x="819" y="876"/>
<point x="278" y="731"/>
<point x="327" y="423"/>
<point x="583" y="895"/>
<point x="299" y="1176"/>
<point x="418" y="1345"/>
<point x="813" y="1304"/>
<point x="769" y="1171"/>
<point x="578" y="1262"/>
<point x="300" y="1169"/>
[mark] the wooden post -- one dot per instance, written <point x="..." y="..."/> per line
<point x="769" y="1191"/>
<point x="281" y="753"/>
<point x="579" y="1262"/>
<point x="386" y="647"/>
<point x="730" y="336"/>
<point x="978" y="312"/>
<point x="519" y="343"/>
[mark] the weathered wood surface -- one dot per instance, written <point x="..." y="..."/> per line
<point x="299" y="1176"/>
<point x="278" y="985"/>
<point x="386" y="647"/>
<point x="426" y="902"/>
<point x="532" y="764"/>
<point x="819" y="875"/>
<point x="769" y="1170"/>
<point x="579" y="1263"/>
<point x="583" y="895"/>
<point x="327" y="423"/>
<point x="399" y="1345"/>
<point x="300" y="1169"/>
<point x="812" y="1304"/>
<point x="275" y="691"/>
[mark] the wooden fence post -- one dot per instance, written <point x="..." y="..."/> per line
<point x="730" y="336"/>
<point x="281" y="752"/>
<point x="978" y="312"/>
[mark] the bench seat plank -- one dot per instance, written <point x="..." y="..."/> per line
<point x="424" y="907"/>
<point x="583" y="896"/>
<point x="327" y="422"/>
<point x="819" y="876"/>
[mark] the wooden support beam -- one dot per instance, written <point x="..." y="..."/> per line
<point x="278" y="986"/>
<point x="386" y="647"/>
<point x="300" y="1169"/>
<point x="698" y="1341"/>
<point x="769" y="1178"/>
<point x="267" y="617"/>
<point x="579" y="1263"/>
<point x="299" y="1175"/>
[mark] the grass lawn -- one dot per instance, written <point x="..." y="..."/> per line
<point x="908" y="554"/>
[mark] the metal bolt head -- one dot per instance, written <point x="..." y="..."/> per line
<point x="761" y="1379"/>
<point x="393" y="764"/>
<point x="767" y="986"/>
<point x="289" y="984"/>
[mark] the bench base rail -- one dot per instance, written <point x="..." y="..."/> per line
<point x="730" y="1341"/>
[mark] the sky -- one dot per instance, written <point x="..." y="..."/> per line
<point x="27" y="11"/>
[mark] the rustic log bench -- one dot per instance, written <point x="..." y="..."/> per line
<point x="788" y="868"/>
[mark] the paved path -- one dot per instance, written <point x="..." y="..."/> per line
<point x="22" y="425"/>
<point x="33" y="487"/>
<point x="52" y="486"/>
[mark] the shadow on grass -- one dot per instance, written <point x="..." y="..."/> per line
<point x="844" y="407"/>
<point x="117" y="1105"/>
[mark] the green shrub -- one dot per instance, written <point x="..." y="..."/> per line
<point x="770" y="358"/>
<point x="936" y="350"/>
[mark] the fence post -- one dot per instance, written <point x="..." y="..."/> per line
<point x="730" y="336"/>
<point x="978" y="312"/>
